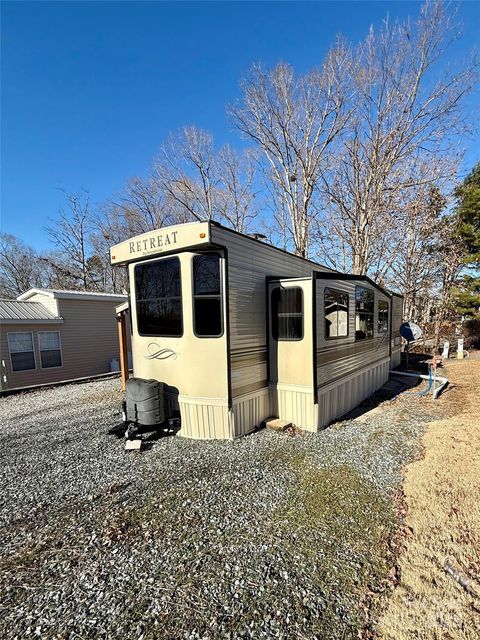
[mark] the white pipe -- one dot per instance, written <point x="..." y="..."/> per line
<point x="436" y="391"/>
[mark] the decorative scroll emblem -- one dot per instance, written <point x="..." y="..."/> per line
<point x="156" y="352"/>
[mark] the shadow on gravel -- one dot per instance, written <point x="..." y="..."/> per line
<point x="388" y="392"/>
<point x="146" y="434"/>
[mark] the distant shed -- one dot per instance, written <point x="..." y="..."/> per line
<point x="50" y="335"/>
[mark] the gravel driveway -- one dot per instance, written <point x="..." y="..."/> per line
<point x="270" y="536"/>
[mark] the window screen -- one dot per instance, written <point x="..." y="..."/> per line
<point x="382" y="316"/>
<point x="159" y="298"/>
<point x="364" y="302"/>
<point x="287" y="313"/>
<point x="336" y="313"/>
<point x="50" y="351"/>
<point x="207" y="300"/>
<point x="20" y="346"/>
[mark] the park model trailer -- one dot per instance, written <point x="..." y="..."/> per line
<point x="238" y="330"/>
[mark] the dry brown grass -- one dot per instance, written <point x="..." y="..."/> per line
<point x="442" y="494"/>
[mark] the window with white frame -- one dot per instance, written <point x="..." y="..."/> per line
<point x="50" y="349"/>
<point x="20" y="346"/>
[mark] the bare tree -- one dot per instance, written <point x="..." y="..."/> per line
<point x="295" y="120"/>
<point x="417" y="265"/>
<point x="69" y="233"/>
<point x="185" y="171"/>
<point x="143" y="205"/>
<point x="236" y="197"/>
<point x="400" y="133"/>
<point x="20" y="268"/>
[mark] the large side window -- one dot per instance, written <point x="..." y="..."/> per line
<point x="364" y="303"/>
<point x="336" y="313"/>
<point x="159" y="298"/>
<point x="20" y="345"/>
<point x="382" y="326"/>
<point x="50" y="349"/>
<point x="287" y="313"/>
<point x="207" y="298"/>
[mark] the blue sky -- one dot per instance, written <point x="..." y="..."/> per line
<point x="90" y="90"/>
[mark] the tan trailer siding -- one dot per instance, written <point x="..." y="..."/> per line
<point x="88" y="338"/>
<point x="249" y="264"/>
<point x="195" y="372"/>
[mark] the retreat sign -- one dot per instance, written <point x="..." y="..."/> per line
<point x="169" y="239"/>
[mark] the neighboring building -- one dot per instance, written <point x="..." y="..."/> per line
<point x="49" y="336"/>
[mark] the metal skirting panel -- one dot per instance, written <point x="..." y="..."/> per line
<point x="342" y="396"/>
<point x="296" y="404"/>
<point x="250" y="411"/>
<point x="396" y="358"/>
<point x="205" y="419"/>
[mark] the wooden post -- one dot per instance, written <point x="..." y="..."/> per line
<point x="122" y="342"/>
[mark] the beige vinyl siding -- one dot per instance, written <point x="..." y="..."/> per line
<point x="50" y="303"/>
<point x="88" y="338"/>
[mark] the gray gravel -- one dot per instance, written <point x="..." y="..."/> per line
<point x="192" y="539"/>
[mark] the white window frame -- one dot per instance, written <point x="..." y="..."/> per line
<point x="10" y="353"/>
<point x="60" y="347"/>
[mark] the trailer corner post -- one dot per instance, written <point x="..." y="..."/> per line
<point x="122" y="343"/>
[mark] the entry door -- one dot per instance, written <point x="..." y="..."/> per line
<point x="290" y="332"/>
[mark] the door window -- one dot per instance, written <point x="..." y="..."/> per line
<point x="287" y="313"/>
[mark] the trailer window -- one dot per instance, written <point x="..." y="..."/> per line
<point x="207" y="299"/>
<point x="336" y="313"/>
<point x="50" y="349"/>
<point x="159" y="298"/>
<point x="364" y="303"/>
<point x="287" y="313"/>
<point x="382" y="326"/>
<point x="20" y="345"/>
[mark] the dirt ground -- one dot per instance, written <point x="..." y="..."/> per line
<point x="438" y="595"/>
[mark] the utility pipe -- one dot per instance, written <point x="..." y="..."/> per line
<point x="436" y="391"/>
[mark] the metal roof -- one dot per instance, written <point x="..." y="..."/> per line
<point x="15" y="311"/>
<point x="82" y="295"/>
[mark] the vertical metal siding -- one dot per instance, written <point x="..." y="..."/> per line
<point x="337" y="399"/>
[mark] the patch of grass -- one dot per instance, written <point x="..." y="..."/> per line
<point x="341" y="524"/>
